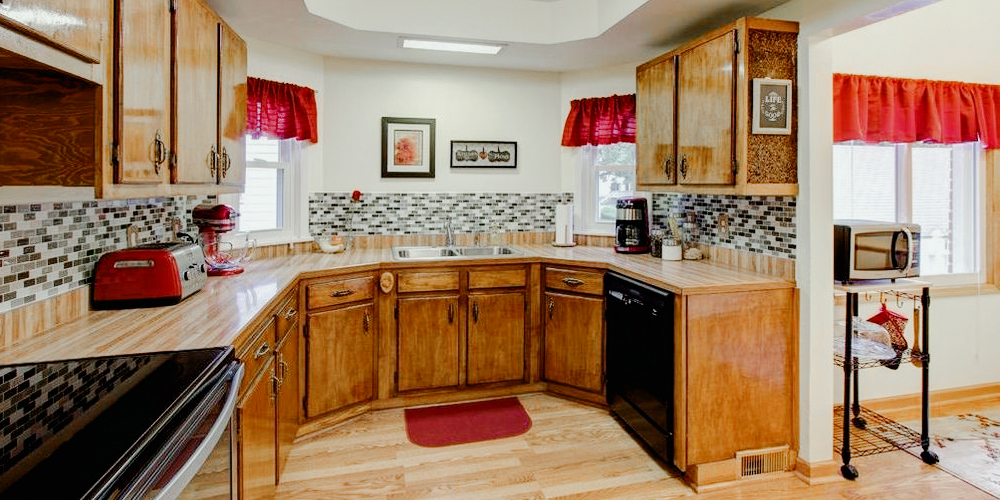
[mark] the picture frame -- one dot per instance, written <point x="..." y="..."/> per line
<point x="772" y="106"/>
<point x="408" y="147"/>
<point x="483" y="154"/>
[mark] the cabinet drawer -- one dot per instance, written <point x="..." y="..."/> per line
<point x="287" y="313"/>
<point x="589" y="282"/>
<point x="255" y="352"/>
<point x="340" y="291"/>
<point x="500" y="278"/>
<point x="427" y="281"/>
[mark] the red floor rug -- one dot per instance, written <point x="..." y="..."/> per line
<point x="466" y="422"/>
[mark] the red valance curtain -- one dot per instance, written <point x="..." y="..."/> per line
<point x="880" y="109"/>
<point x="600" y="120"/>
<point x="281" y="110"/>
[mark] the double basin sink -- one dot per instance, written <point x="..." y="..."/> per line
<point x="451" y="253"/>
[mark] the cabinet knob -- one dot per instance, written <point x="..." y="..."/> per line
<point x="684" y="166"/>
<point x="573" y="282"/>
<point x="226" y="162"/>
<point x="666" y="166"/>
<point x="273" y="389"/>
<point x="451" y="313"/>
<point x="367" y="322"/>
<point x="284" y="371"/>
<point x="262" y="350"/>
<point x="552" y="308"/>
<point x="213" y="161"/>
<point x="290" y="313"/>
<point x="159" y="152"/>
<point x="342" y="293"/>
<point x="475" y="312"/>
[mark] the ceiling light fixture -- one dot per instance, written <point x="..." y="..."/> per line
<point x="475" y="48"/>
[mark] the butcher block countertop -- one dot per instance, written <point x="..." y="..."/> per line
<point x="218" y="314"/>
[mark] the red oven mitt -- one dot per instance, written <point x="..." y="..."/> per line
<point x="895" y="324"/>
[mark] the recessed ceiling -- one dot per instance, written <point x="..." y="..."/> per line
<point x="539" y="35"/>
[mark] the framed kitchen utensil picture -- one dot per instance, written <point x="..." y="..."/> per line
<point x="407" y="147"/>
<point x="772" y="104"/>
<point x="483" y="154"/>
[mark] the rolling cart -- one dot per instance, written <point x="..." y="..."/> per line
<point x="876" y="433"/>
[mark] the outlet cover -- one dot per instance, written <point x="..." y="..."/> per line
<point x="723" y="225"/>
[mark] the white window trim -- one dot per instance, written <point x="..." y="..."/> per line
<point x="585" y="222"/>
<point x="295" y="209"/>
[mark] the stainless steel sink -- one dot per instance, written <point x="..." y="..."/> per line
<point x="450" y="253"/>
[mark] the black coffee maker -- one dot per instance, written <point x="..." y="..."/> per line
<point x="632" y="226"/>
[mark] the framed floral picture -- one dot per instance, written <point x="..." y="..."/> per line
<point x="407" y="147"/>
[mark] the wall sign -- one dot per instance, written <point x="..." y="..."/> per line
<point x="483" y="154"/>
<point x="772" y="105"/>
<point x="407" y="147"/>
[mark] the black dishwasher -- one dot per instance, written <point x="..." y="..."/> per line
<point x="640" y="360"/>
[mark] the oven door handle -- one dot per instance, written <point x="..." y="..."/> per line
<point x="173" y="489"/>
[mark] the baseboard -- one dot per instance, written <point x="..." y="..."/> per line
<point x="453" y="396"/>
<point x="817" y="473"/>
<point x="943" y="403"/>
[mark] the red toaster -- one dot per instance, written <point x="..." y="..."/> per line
<point x="148" y="275"/>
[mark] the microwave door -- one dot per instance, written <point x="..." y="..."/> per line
<point x="902" y="256"/>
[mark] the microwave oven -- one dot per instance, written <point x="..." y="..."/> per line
<point x="871" y="250"/>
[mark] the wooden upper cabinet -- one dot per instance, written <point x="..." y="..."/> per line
<point x="495" y="337"/>
<point x="232" y="106"/>
<point x="141" y="111"/>
<point x="196" y="81"/>
<point x="656" y="93"/>
<point x="428" y="342"/>
<point x="340" y="347"/>
<point x="574" y="341"/>
<point x="77" y="27"/>
<point x="707" y="106"/>
<point x="706" y="112"/>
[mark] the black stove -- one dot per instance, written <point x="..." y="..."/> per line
<point x="102" y="428"/>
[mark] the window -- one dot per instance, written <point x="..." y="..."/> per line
<point x="607" y="173"/>
<point x="930" y="185"/>
<point x="266" y="205"/>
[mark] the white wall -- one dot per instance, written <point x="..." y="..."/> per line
<point x="468" y="104"/>
<point x="949" y="40"/>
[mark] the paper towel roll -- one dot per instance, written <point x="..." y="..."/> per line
<point x="564" y="224"/>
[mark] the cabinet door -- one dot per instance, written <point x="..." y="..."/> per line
<point x="196" y="81"/>
<point x="232" y="106"/>
<point x="256" y="417"/>
<point x="287" y="359"/>
<point x="142" y="92"/>
<point x="574" y="341"/>
<point x="76" y="26"/>
<point x="706" y="101"/>
<point x="655" y="98"/>
<point x="428" y="340"/>
<point x="340" y="348"/>
<point x="496" y="338"/>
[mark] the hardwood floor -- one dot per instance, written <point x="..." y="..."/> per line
<point x="572" y="452"/>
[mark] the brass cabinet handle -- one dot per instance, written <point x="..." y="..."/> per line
<point x="451" y="313"/>
<point x="284" y="371"/>
<point x="275" y="384"/>
<point x="573" y="282"/>
<point x="666" y="166"/>
<point x="475" y="312"/>
<point x="684" y="166"/>
<point x="290" y="313"/>
<point x="226" y="162"/>
<point x="262" y="350"/>
<point x="159" y="152"/>
<point x="367" y="322"/>
<point x="213" y="161"/>
<point x="552" y="308"/>
<point x="342" y="293"/>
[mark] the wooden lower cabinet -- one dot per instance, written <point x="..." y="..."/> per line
<point x="287" y="368"/>
<point x="495" y="344"/>
<point x="428" y="342"/>
<point x="574" y="341"/>
<point x="255" y="416"/>
<point x="340" y="348"/>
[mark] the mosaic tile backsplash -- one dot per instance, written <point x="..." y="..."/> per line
<point x="759" y="224"/>
<point x="40" y="400"/>
<point x="50" y="248"/>
<point x="415" y="213"/>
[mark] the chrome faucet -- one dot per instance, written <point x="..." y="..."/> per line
<point x="449" y="232"/>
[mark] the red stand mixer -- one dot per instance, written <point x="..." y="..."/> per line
<point x="222" y="258"/>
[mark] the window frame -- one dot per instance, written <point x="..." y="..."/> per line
<point x="293" y="191"/>
<point x="587" y="171"/>
<point x="986" y="184"/>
